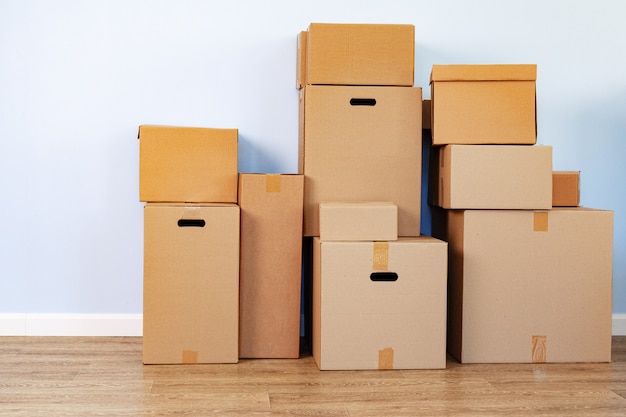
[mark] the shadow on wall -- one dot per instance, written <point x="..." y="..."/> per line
<point x="252" y="158"/>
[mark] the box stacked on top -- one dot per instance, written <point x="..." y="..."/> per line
<point x="528" y="281"/>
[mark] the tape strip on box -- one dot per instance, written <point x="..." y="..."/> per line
<point x="190" y="357"/>
<point x="380" y="256"/>
<point x="385" y="358"/>
<point x="539" y="352"/>
<point x="540" y="221"/>
<point x="272" y="183"/>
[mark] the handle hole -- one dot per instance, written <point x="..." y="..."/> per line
<point x="362" y="101"/>
<point x="191" y="223"/>
<point x="384" y="276"/>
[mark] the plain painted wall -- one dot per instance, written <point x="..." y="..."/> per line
<point x="78" y="77"/>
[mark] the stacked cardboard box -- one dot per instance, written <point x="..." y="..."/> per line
<point x="527" y="282"/>
<point x="359" y="144"/>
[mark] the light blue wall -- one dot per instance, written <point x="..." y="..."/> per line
<point x="78" y="77"/>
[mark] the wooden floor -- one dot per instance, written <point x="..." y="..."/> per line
<point x="42" y="376"/>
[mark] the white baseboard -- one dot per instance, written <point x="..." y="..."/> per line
<point x="27" y="324"/>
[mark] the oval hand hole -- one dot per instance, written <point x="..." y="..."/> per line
<point x="384" y="276"/>
<point x="191" y="223"/>
<point x="362" y="101"/>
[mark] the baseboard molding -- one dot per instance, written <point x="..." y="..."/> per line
<point x="26" y="324"/>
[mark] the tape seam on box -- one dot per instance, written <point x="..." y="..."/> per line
<point x="540" y="221"/>
<point x="385" y="358"/>
<point x="272" y="183"/>
<point x="190" y="357"/>
<point x="380" y="256"/>
<point x="539" y="349"/>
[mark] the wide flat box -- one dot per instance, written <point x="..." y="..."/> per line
<point x="379" y="305"/>
<point x="483" y="104"/>
<point x="358" y="221"/>
<point x="565" y="188"/>
<point x="191" y="284"/>
<point x="530" y="286"/>
<point x="271" y="265"/>
<point x="361" y="144"/>
<point x="187" y="164"/>
<point x="491" y="177"/>
<point x="356" y="54"/>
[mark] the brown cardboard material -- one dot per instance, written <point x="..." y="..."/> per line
<point x="358" y="221"/>
<point x="187" y="164"/>
<point x="301" y="61"/>
<point x="361" y="323"/>
<point x="565" y="188"/>
<point x="361" y="144"/>
<point x="271" y="265"/>
<point x="491" y="177"/>
<point x="358" y="54"/>
<point x="484" y="104"/>
<point x="191" y="283"/>
<point x="521" y="293"/>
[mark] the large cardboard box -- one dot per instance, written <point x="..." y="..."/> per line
<point x="361" y="144"/>
<point x="491" y="177"/>
<point x="530" y="286"/>
<point x="271" y="265"/>
<point x="356" y="54"/>
<point x="565" y="188"/>
<point x="379" y="305"/>
<point x="187" y="164"/>
<point x="191" y="284"/>
<point x="483" y="104"/>
<point x="358" y="221"/>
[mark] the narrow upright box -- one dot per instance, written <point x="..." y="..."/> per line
<point x="565" y="188"/>
<point x="358" y="221"/>
<point x="361" y="144"/>
<point x="379" y="305"/>
<point x="271" y="265"/>
<point x="530" y="286"/>
<point x="191" y="283"/>
<point x="483" y="104"/>
<point x="357" y="54"/>
<point x="187" y="164"/>
<point x="491" y="177"/>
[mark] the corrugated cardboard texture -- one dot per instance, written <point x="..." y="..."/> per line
<point x="362" y="324"/>
<point x="565" y="188"/>
<point x="360" y="54"/>
<point x="483" y="104"/>
<point x="191" y="284"/>
<point x="492" y="177"/>
<point x="271" y="265"/>
<point x="364" y="221"/>
<point x="184" y="164"/>
<point x="529" y="296"/>
<point x="351" y="152"/>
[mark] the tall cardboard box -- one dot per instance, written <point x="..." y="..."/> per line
<point x="565" y="188"/>
<point x="530" y="286"/>
<point x="271" y="265"/>
<point x="483" y="104"/>
<point x="379" y="305"/>
<point x="491" y="177"/>
<point x="187" y="164"/>
<point x="361" y="144"/>
<point x="191" y="283"/>
<point x="356" y="54"/>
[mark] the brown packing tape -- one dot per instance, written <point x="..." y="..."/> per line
<point x="272" y="183"/>
<point x="540" y="221"/>
<point x="380" y="256"/>
<point x="539" y="349"/>
<point x="190" y="357"/>
<point x="385" y="358"/>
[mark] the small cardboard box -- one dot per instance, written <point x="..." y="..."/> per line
<point x="357" y="54"/>
<point x="361" y="144"/>
<point x="530" y="286"/>
<point x="483" y="104"/>
<point x="358" y="221"/>
<point x="565" y="188"/>
<point x="271" y="265"/>
<point x="187" y="164"/>
<point x="191" y="283"/>
<point x="379" y="305"/>
<point x="491" y="177"/>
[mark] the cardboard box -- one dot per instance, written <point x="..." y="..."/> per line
<point x="483" y="104"/>
<point x="530" y="286"/>
<point x="358" y="54"/>
<point x="565" y="188"/>
<point x="379" y="305"/>
<point x="491" y="177"/>
<point x="191" y="284"/>
<point x="271" y="265"/>
<point x="187" y="164"/>
<point x="361" y="144"/>
<point x="358" y="221"/>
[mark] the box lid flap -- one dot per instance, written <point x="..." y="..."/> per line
<point x="500" y="72"/>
